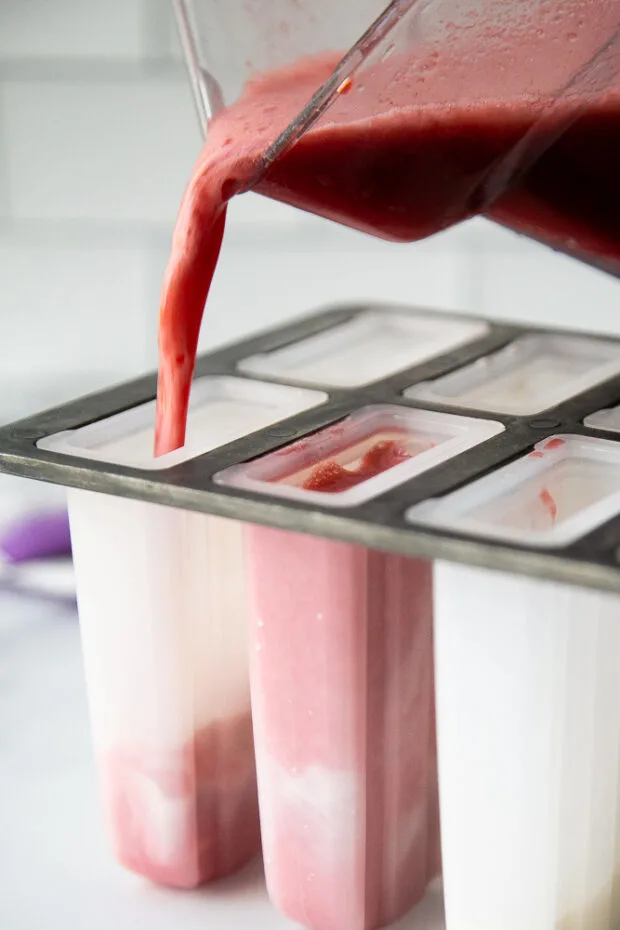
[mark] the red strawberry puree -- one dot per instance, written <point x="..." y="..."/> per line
<point x="343" y="709"/>
<point x="330" y="477"/>
<point x="412" y="147"/>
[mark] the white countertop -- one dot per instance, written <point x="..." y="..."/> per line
<point x="55" y="869"/>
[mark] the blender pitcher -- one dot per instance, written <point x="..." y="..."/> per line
<point x="442" y="110"/>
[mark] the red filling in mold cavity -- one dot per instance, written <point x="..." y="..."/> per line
<point x="546" y="499"/>
<point x="332" y="478"/>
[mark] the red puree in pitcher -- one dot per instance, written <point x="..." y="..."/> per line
<point x="399" y="165"/>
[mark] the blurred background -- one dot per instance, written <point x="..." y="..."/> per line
<point x="97" y="138"/>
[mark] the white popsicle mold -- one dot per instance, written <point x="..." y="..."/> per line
<point x="528" y="703"/>
<point x="161" y="599"/>
<point x="566" y="487"/>
<point x="429" y="438"/>
<point x="370" y="346"/>
<point x="531" y="374"/>
<point x="528" y="711"/>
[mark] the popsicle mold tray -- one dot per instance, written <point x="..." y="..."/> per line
<point x="504" y="441"/>
<point x="259" y="682"/>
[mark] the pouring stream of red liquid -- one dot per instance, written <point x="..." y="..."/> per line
<point x="402" y="174"/>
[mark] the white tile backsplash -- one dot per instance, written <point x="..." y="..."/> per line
<point x="522" y="280"/>
<point x="5" y="205"/>
<point x="114" y="151"/>
<point x="267" y="281"/>
<point x="161" y="33"/>
<point x="70" y="29"/>
<point x="254" y="211"/>
<point x="65" y="310"/>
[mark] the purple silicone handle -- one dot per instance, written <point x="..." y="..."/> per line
<point x="37" y="537"/>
